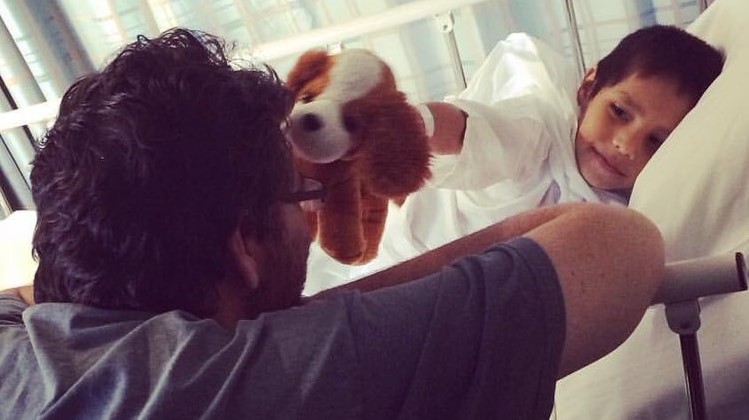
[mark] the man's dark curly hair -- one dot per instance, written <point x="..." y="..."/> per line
<point x="149" y="167"/>
<point x="663" y="51"/>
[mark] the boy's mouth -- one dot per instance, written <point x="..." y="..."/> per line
<point x="607" y="164"/>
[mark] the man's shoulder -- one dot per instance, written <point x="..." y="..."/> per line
<point x="11" y="308"/>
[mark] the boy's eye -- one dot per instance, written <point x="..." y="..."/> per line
<point x="619" y="112"/>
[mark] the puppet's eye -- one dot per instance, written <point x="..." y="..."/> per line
<point x="306" y="98"/>
<point x="351" y="124"/>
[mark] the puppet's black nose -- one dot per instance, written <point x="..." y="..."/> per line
<point x="311" y="122"/>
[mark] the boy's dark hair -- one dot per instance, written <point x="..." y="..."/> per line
<point x="663" y="51"/>
<point x="150" y="165"/>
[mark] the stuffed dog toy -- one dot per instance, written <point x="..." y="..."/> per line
<point x="352" y="130"/>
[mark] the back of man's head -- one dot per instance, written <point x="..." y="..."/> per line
<point x="149" y="167"/>
<point x="662" y="51"/>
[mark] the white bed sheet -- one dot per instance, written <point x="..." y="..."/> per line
<point x="17" y="267"/>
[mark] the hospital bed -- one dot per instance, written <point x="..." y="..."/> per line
<point x="695" y="190"/>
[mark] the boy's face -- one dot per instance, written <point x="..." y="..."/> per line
<point x="622" y="126"/>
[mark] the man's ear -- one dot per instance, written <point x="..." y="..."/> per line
<point x="245" y="258"/>
<point x="586" y="87"/>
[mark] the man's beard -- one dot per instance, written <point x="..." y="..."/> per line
<point x="282" y="274"/>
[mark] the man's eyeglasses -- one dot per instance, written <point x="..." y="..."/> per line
<point x="310" y="195"/>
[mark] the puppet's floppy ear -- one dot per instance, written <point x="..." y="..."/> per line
<point x="309" y="66"/>
<point x="397" y="162"/>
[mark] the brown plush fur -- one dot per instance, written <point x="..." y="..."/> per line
<point x="390" y="161"/>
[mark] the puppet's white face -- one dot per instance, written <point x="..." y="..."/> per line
<point x="622" y="126"/>
<point x="321" y="131"/>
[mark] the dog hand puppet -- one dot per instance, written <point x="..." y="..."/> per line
<point x="354" y="131"/>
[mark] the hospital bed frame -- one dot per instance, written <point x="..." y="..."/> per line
<point x="684" y="284"/>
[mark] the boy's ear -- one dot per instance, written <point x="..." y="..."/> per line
<point x="586" y="87"/>
<point x="243" y="254"/>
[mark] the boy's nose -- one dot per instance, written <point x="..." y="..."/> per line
<point x="626" y="145"/>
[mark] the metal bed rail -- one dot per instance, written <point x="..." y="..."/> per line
<point x="394" y="16"/>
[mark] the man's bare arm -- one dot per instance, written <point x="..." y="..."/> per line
<point x="434" y="260"/>
<point x="609" y="261"/>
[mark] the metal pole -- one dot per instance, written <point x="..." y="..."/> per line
<point x="690" y="354"/>
<point x="684" y="319"/>
<point x="577" y="47"/>
<point x="447" y="26"/>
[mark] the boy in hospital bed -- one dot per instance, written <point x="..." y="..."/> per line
<point x="523" y="135"/>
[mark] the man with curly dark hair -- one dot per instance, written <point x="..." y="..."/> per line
<point x="168" y="125"/>
<point x="172" y="254"/>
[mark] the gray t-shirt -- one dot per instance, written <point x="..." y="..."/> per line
<point x="479" y="340"/>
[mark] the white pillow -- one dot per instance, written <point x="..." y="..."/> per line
<point x="695" y="187"/>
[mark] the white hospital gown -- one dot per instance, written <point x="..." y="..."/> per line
<point x="517" y="155"/>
